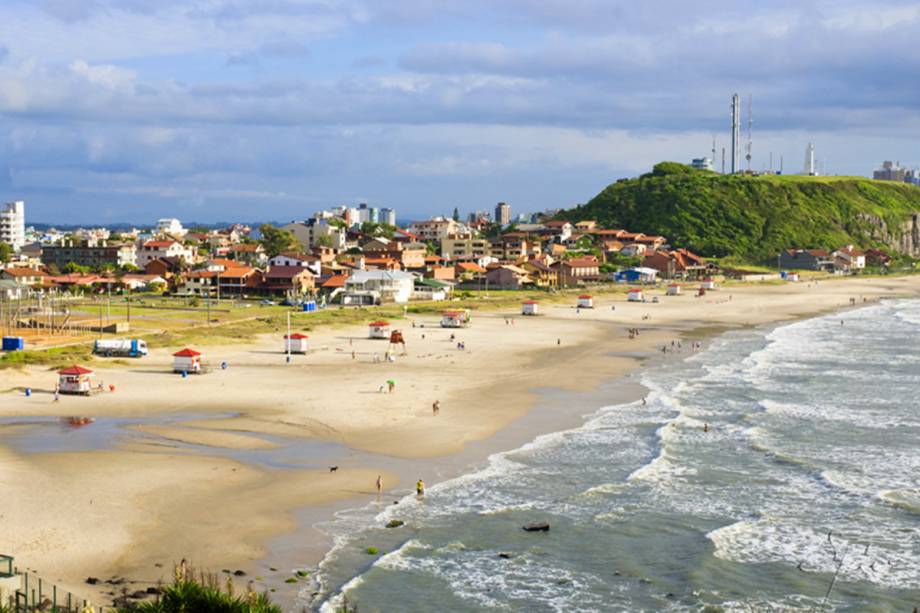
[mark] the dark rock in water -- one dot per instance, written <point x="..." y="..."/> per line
<point x="505" y="555"/>
<point x="537" y="527"/>
<point x="115" y="581"/>
<point x="92" y="580"/>
<point x="158" y="565"/>
<point x="225" y="570"/>
<point x="239" y="573"/>
<point x="139" y="594"/>
<point x="669" y="595"/>
<point x="644" y="580"/>
<point x="395" y="523"/>
<point x="153" y="590"/>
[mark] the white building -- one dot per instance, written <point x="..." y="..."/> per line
<point x="171" y="227"/>
<point x="151" y="250"/>
<point x="13" y="224"/>
<point x="378" y="286"/>
<point x="703" y="164"/>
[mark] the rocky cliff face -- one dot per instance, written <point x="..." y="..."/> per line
<point x="902" y="238"/>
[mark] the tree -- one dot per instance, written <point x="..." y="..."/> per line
<point x="456" y="214"/>
<point x="6" y="252"/>
<point x="73" y="267"/>
<point x="324" y="241"/>
<point x="275" y="240"/>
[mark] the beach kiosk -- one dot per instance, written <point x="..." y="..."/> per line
<point x="379" y="330"/>
<point x="455" y="319"/>
<point x="708" y="284"/>
<point x="673" y="289"/>
<point x="187" y="360"/>
<point x="295" y="343"/>
<point x="635" y="295"/>
<point x="792" y="277"/>
<point x="530" y="307"/>
<point x="75" y="380"/>
<point x="585" y="302"/>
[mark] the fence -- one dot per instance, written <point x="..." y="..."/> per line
<point x="24" y="592"/>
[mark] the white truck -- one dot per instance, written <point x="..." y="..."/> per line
<point x="121" y="347"/>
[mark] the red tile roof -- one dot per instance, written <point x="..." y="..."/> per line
<point x="186" y="353"/>
<point x="378" y="324"/>
<point x="296" y="336"/>
<point x="75" y="370"/>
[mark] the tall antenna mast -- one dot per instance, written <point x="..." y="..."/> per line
<point x="750" y="139"/>
<point x="723" y="160"/>
<point x="736" y="133"/>
<point x="713" y="149"/>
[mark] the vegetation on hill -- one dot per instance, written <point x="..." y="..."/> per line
<point x="754" y="217"/>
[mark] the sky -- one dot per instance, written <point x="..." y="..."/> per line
<point x="224" y="110"/>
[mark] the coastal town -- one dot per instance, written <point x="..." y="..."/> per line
<point x="358" y="256"/>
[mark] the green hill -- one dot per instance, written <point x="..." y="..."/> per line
<point x="755" y="217"/>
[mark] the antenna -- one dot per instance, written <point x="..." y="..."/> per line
<point x="780" y="164"/>
<point x="750" y="139"/>
<point x="771" y="162"/>
<point x="723" y="160"/>
<point x="713" y="149"/>
<point x="736" y="133"/>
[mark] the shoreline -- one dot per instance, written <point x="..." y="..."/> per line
<point x="595" y="355"/>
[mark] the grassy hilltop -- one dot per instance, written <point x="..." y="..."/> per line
<point x="754" y="217"/>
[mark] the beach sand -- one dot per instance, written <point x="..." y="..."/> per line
<point x="184" y="487"/>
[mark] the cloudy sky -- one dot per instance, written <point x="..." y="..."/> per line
<point x="129" y="110"/>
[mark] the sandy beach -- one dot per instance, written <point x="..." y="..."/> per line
<point x="213" y="467"/>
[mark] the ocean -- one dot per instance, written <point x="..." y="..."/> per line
<point x="778" y="469"/>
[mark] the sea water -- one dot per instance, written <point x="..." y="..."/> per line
<point x="778" y="470"/>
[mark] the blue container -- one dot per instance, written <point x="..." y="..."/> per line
<point x="13" y="343"/>
<point x="309" y="306"/>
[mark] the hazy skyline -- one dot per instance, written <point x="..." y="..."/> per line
<point x="228" y="109"/>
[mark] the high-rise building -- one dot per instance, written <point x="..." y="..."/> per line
<point x="13" y="224"/>
<point x="388" y="216"/>
<point x="893" y="171"/>
<point x="503" y="213"/>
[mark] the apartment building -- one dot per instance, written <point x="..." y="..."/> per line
<point x="13" y="224"/>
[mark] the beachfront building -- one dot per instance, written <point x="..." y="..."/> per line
<point x="585" y="302"/>
<point x="295" y="343"/>
<point x="378" y="287"/>
<point x="508" y="276"/>
<point x="635" y="295"/>
<point x="578" y="270"/>
<point x="288" y="281"/>
<point x="297" y="259"/>
<point x="849" y="259"/>
<point x="75" y="380"/>
<point x="455" y="319"/>
<point x="187" y="361"/>
<point x="806" y="259"/>
<point x="378" y="330"/>
<point x="530" y="307"/>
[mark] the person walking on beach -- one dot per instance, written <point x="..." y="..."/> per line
<point x="379" y="485"/>
<point x="420" y="488"/>
<point x="391" y="386"/>
<point x="436" y="407"/>
<point x="57" y="395"/>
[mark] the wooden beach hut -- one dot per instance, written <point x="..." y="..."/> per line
<point x="379" y="330"/>
<point x="530" y="307"/>
<point x="708" y="284"/>
<point x="75" y="380"/>
<point x="187" y="360"/>
<point x="635" y="295"/>
<point x="585" y="302"/>
<point x="295" y="343"/>
<point x="455" y="319"/>
<point x="673" y="289"/>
